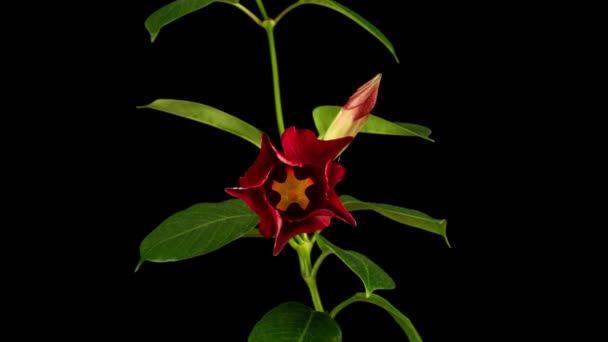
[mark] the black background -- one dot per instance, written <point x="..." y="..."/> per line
<point x="468" y="72"/>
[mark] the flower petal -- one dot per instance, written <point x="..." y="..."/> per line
<point x="335" y="206"/>
<point x="270" y="219"/>
<point x="291" y="229"/>
<point x="341" y="214"/>
<point x="335" y="172"/>
<point x="265" y="162"/>
<point x="303" y="146"/>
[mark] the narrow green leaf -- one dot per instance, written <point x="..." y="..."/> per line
<point x="372" y="276"/>
<point x="401" y="319"/>
<point x="324" y="115"/>
<point x="198" y="230"/>
<point x="173" y="11"/>
<point x="408" y="217"/>
<point x="294" y="321"/>
<point x="357" y="19"/>
<point x="418" y="130"/>
<point x="209" y="116"/>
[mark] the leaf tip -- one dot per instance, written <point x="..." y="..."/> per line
<point x="141" y="261"/>
<point x="153" y="37"/>
<point x="150" y="27"/>
<point x="144" y="106"/>
<point x="444" y="223"/>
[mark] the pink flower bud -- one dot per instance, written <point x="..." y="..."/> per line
<point x="355" y="112"/>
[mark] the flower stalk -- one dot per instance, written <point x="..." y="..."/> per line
<point x="308" y="272"/>
<point x="262" y="8"/>
<point x="268" y="25"/>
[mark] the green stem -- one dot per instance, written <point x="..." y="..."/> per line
<point x="339" y="307"/>
<point x="248" y="13"/>
<point x="287" y="10"/>
<point x="314" y="293"/>
<point x="269" y="25"/>
<point x="293" y="243"/>
<point x="308" y="275"/>
<point x="262" y="9"/>
<point x="319" y="261"/>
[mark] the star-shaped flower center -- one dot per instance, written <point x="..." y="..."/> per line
<point x="292" y="190"/>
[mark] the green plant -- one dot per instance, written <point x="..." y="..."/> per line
<point x="288" y="193"/>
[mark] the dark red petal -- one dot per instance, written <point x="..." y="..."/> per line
<point x="332" y="210"/>
<point x="303" y="146"/>
<point x="255" y="199"/>
<point x="337" y="208"/>
<point x="334" y="172"/>
<point x="291" y="229"/>
<point x="265" y="162"/>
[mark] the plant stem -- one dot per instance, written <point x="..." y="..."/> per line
<point x="287" y="10"/>
<point x="308" y="275"/>
<point x="339" y="307"/>
<point x="248" y="13"/>
<point x="314" y="293"/>
<point x="269" y="25"/>
<point x="262" y="9"/>
<point x="318" y="262"/>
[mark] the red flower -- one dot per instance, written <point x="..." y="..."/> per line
<point x="293" y="192"/>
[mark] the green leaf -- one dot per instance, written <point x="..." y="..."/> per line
<point x="294" y="321"/>
<point x="401" y="319"/>
<point x="198" y="230"/>
<point x="408" y="217"/>
<point x="324" y="115"/>
<point x="253" y="233"/>
<point x="357" y="19"/>
<point x="173" y="11"/>
<point x="373" y="277"/>
<point x="209" y="116"/>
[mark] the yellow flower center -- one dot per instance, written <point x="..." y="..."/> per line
<point x="292" y="190"/>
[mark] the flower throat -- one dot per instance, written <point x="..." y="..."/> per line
<point x="292" y="190"/>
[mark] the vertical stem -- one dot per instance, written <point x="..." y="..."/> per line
<point x="314" y="293"/>
<point x="262" y="9"/>
<point x="306" y="270"/>
<point x="269" y="25"/>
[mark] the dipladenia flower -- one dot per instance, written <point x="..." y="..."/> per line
<point x="293" y="191"/>
<point x="355" y="112"/>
